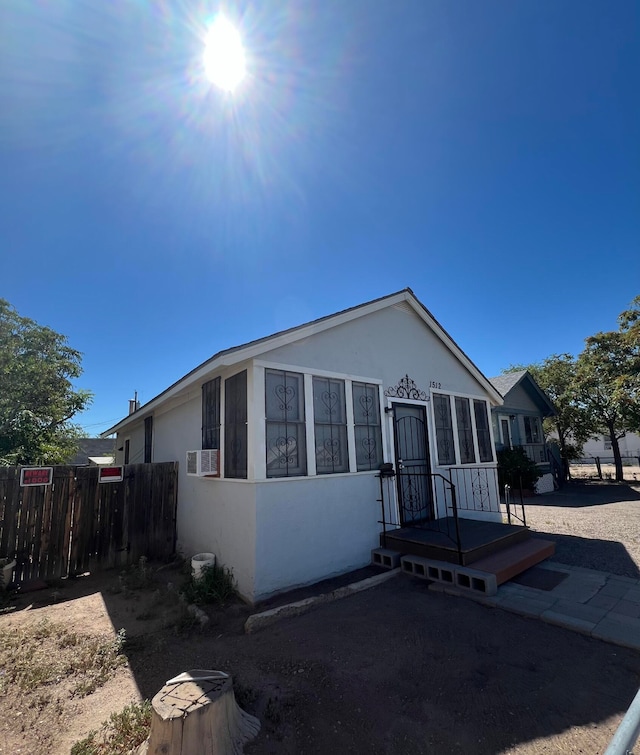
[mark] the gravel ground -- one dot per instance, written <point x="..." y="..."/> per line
<point x="595" y="525"/>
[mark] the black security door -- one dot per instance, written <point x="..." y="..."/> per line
<point x="412" y="464"/>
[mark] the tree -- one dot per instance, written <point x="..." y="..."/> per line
<point x="608" y="380"/>
<point x="38" y="399"/>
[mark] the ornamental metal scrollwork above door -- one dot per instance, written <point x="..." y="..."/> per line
<point x="406" y="388"/>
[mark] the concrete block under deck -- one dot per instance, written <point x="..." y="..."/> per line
<point x="496" y="549"/>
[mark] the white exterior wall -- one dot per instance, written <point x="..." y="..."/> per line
<point x="629" y="446"/>
<point x="385" y="345"/>
<point x="312" y="528"/>
<point x="214" y="516"/>
<point x="135" y="434"/>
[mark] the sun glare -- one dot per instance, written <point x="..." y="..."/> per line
<point x="224" y="60"/>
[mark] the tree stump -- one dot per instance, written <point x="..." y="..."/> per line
<point x="197" y="712"/>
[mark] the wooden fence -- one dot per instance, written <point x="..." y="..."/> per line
<point x="77" y="524"/>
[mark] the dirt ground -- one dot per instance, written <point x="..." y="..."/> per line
<point x="590" y="472"/>
<point x="395" y="669"/>
<point x="595" y="525"/>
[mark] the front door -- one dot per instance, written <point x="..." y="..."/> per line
<point x="412" y="463"/>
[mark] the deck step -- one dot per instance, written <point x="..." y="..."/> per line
<point x="515" y="559"/>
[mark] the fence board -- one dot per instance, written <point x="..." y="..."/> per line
<point x="78" y="524"/>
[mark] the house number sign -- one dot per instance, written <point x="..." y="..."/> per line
<point x="30" y="476"/>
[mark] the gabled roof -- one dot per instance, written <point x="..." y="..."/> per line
<point x="507" y="382"/>
<point x="88" y="447"/>
<point x="253" y="349"/>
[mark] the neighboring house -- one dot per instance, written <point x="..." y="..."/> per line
<point x="518" y="422"/>
<point x="601" y="446"/>
<point x="302" y="421"/>
<point x="94" y="451"/>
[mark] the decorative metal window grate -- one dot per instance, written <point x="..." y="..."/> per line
<point x="330" y="426"/>
<point x="485" y="447"/>
<point x="211" y="414"/>
<point x="444" y="429"/>
<point x="465" y="431"/>
<point x="367" y="426"/>
<point x="285" y="424"/>
<point x="235" y="426"/>
<point x="148" y="439"/>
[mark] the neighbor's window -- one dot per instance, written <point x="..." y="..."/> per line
<point x="127" y="450"/>
<point x="444" y="429"/>
<point x="330" y="426"/>
<point x="235" y="426"/>
<point x="285" y="429"/>
<point x="211" y="414"/>
<point x="485" y="448"/>
<point x="532" y="430"/>
<point x="148" y="439"/>
<point x="465" y="432"/>
<point x="368" y="432"/>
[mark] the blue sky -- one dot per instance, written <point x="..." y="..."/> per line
<point x="485" y="154"/>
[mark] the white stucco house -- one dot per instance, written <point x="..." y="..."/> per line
<point x="600" y="446"/>
<point x="298" y="425"/>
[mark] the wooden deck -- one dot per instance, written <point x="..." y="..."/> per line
<point x="505" y="550"/>
<point x="478" y="539"/>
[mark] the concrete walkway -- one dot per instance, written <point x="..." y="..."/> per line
<point x="595" y="603"/>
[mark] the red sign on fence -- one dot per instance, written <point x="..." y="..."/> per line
<point x="35" y="476"/>
<point x="110" y="474"/>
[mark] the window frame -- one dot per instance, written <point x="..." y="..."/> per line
<point x="534" y="424"/>
<point x="308" y="374"/>
<point x="148" y="439"/>
<point x="452" y="396"/>
<point x="235" y="426"/>
<point x="211" y="414"/>
<point x="336" y="425"/>
<point x="300" y="424"/>
<point x="376" y="427"/>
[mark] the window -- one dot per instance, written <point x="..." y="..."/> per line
<point x="148" y="439"/>
<point x="330" y="426"/>
<point x="607" y="442"/>
<point x="211" y="414"/>
<point x="505" y="429"/>
<point x="235" y="426"/>
<point x="465" y="432"/>
<point x="368" y="431"/>
<point x="532" y="430"/>
<point x="285" y="424"/>
<point x="482" y="431"/>
<point x="444" y="429"/>
<point x="127" y="450"/>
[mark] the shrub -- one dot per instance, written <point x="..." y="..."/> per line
<point x="214" y="585"/>
<point x="516" y="468"/>
<point x="122" y="733"/>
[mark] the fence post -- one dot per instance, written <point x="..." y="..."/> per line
<point x="598" y="467"/>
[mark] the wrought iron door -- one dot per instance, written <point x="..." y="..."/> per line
<point x="412" y="464"/>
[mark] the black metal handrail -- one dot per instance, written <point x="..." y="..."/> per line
<point x="431" y="519"/>
<point x="511" y="505"/>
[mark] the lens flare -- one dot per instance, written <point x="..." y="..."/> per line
<point x="224" y="58"/>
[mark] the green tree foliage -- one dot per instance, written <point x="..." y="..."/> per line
<point x="608" y="380"/>
<point x="37" y="396"/>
